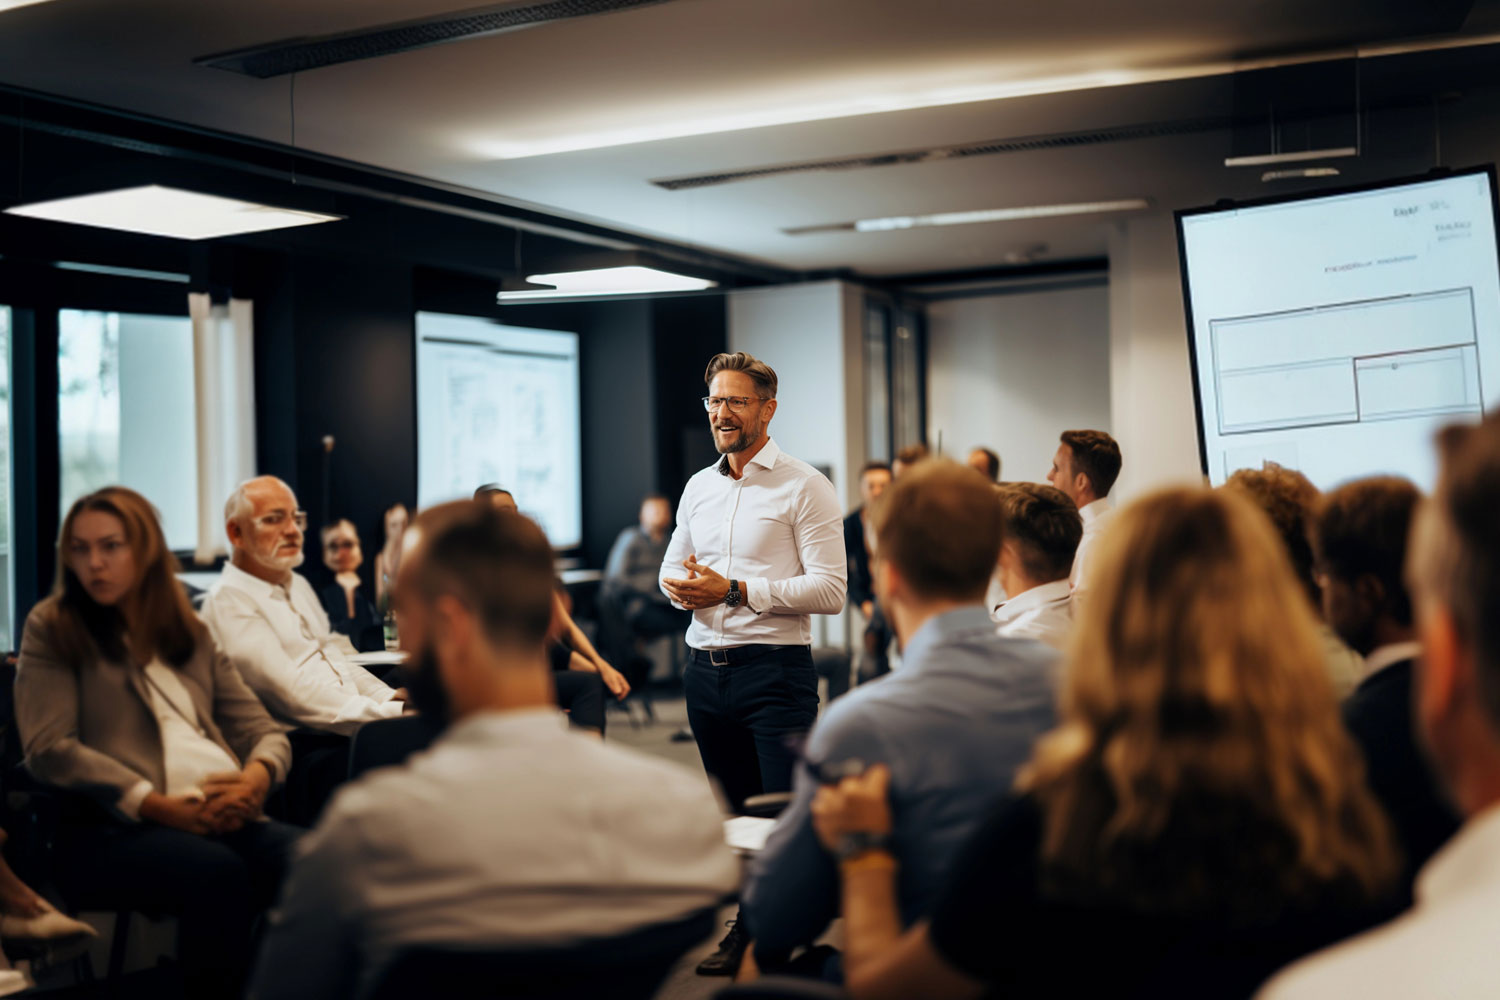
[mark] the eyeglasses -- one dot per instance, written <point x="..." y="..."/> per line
<point x="278" y="518"/>
<point x="339" y="544"/>
<point x="735" y="403"/>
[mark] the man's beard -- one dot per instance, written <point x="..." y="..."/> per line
<point x="425" y="686"/>
<point x="282" y="564"/>
<point x="747" y="437"/>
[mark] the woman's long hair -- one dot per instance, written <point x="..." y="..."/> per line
<point x="153" y="619"/>
<point x="1200" y="763"/>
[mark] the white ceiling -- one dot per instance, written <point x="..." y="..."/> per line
<point x="451" y="112"/>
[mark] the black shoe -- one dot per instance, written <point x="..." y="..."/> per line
<point x="683" y="735"/>
<point x="726" y="961"/>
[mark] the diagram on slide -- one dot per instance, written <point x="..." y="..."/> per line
<point x="1394" y="358"/>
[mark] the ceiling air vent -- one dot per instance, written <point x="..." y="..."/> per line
<point x="991" y="147"/>
<point x="297" y="55"/>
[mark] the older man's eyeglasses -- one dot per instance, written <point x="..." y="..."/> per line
<point x="279" y="519"/>
<point x="735" y="403"/>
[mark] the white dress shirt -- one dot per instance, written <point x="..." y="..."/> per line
<point x="1444" y="946"/>
<point x="1390" y="655"/>
<point x="510" y="832"/>
<point x="279" y="638"/>
<point x="777" y="530"/>
<point x="1044" y="613"/>
<point x="188" y="755"/>
<point x="1096" y="516"/>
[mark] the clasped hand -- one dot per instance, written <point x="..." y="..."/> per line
<point x="854" y="805"/>
<point x="703" y="587"/>
<point x="229" y="800"/>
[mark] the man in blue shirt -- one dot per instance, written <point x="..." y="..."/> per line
<point x="953" y="724"/>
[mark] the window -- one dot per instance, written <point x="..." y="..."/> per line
<point x="126" y="412"/>
<point x="7" y="569"/>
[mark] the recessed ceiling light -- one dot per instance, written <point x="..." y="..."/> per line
<point x="8" y="4"/>
<point x="890" y="223"/>
<point x="165" y="211"/>
<point x="633" y="280"/>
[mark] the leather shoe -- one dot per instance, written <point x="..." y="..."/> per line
<point x="726" y="961"/>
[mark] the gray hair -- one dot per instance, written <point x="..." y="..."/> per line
<point x="238" y="507"/>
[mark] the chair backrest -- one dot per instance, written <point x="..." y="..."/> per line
<point x="388" y="742"/>
<point x="627" y="967"/>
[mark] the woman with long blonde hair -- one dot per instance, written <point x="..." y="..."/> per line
<point x="1197" y="819"/>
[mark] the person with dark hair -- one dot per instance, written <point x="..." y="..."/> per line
<point x="1289" y="499"/>
<point x="1444" y="946"/>
<point x="630" y="573"/>
<point x="123" y="697"/>
<point x="953" y="724"/>
<point x="1042" y="529"/>
<point x="874" y="478"/>
<point x="350" y="611"/>
<point x="510" y="831"/>
<point x="908" y="457"/>
<point x="1196" y="820"/>
<point x="755" y="554"/>
<point x="1359" y="538"/>
<point x="986" y="463"/>
<point x="1085" y="467"/>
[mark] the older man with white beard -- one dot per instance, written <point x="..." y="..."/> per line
<point x="269" y="621"/>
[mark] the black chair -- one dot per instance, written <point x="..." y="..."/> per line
<point x="782" y="988"/>
<point x="628" y="967"/>
<point x="388" y="742"/>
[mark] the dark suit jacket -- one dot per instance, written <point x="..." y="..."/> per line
<point x="861" y="587"/>
<point x="90" y="727"/>
<point x="1379" y="716"/>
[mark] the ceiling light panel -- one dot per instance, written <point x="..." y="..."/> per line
<point x="897" y="222"/>
<point x="602" y="281"/>
<point x="165" y="211"/>
<point x="10" y="4"/>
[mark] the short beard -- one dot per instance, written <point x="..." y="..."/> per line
<point x="281" y="564"/>
<point x="747" y="438"/>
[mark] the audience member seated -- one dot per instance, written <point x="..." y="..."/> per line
<point x="1041" y="529"/>
<point x="566" y="630"/>
<point x="908" y="457"/>
<point x="388" y="559"/>
<point x="1289" y="498"/>
<point x="1198" y="819"/>
<point x="1445" y="945"/>
<point x="270" y="623"/>
<point x="874" y="478"/>
<point x="122" y="697"/>
<point x="630" y="575"/>
<point x="350" y="612"/>
<point x="986" y="463"/>
<point x="1359" y="536"/>
<point x="1085" y="467"/>
<point x="511" y="831"/>
<point x="952" y="725"/>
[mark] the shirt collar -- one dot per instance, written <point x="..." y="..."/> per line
<point x="1385" y="656"/>
<point x="1470" y="860"/>
<point x="766" y="457"/>
<point x="522" y="725"/>
<point x="233" y="576"/>
<point x="939" y="629"/>
<point x="1091" y="512"/>
<point x="1054" y="592"/>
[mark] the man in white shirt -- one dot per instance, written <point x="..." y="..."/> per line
<point x="1445" y="945"/>
<point x="510" y="833"/>
<point x="757" y="550"/>
<point x="1041" y="532"/>
<point x="1085" y="467"/>
<point x="269" y="621"/>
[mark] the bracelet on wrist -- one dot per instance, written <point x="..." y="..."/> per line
<point x="874" y="859"/>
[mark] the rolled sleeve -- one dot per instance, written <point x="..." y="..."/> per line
<point x="678" y="550"/>
<point x="130" y="803"/>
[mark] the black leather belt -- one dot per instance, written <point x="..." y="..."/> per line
<point x="740" y="654"/>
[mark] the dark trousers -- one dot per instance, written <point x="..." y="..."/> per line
<point x="320" y="763"/>
<point x="216" y="887"/>
<point x="748" y="716"/>
<point x="581" y="694"/>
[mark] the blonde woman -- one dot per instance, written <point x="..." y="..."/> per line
<point x="1197" y="819"/>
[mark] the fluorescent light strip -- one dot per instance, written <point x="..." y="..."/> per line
<point x="122" y="272"/>
<point x="166" y="211"/>
<point x="633" y="280"/>
<point x="1302" y="156"/>
<point x="998" y="215"/>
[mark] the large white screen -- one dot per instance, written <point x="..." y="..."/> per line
<point x="1336" y="334"/>
<point x="499" y="404"/>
